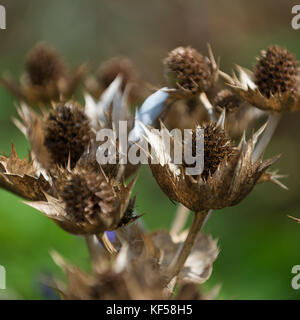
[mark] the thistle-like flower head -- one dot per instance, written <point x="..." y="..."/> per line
<point x="67" y="133"/>
<point x="229" y="173"/>
<point x="274" y="85"/>
<point x="87" y="202"/>
<point x="189" y="71"/>
<point x="61" y="135"/>
<point x="46" y="78"/>
<point x="44" y="66"/>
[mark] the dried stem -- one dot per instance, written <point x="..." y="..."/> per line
<point x="94" y="249"/>
<point x="208" y="106"/>
<point x="180" y="219"/>
<point x="107" y="245"/>
<point x="179" y="261"/>
<point x="273" y="121"/>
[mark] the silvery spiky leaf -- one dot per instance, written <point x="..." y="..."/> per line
<point x="230" y="174"/>
<point x="46" y="78"/>
<point x="198" y="266"/>
<point x="148" y="113"/>
<point x="22" y="177"/>
<point x="274" y="86"/>
<point x="87" y="202"/>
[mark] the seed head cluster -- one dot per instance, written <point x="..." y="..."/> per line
<point x="44" y="66"/>
<point x="93" y="196"/>
<point x="276" y="71"/>
<point x="67" y="133"/>
<point x="186" y="68"/>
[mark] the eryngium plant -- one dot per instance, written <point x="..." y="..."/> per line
<point x="62" y="178"/>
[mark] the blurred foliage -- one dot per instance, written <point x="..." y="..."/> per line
<point x="259" y="244"/>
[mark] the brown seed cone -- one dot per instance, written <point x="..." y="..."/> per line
<point x="85" y="195"/>
<point x="67" y="133"/>
<point x="217" y="148"/>
<point x="226" y="99"/>
<point x="92" y="202"/>
<point x="187" y="69"/>
<point x="44" y="66"/>
<point x="276" y="71"/>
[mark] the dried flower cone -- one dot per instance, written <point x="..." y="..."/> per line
<point x="59" y="136"/>
<point x="274" y="85"/>
<point x="46" y="79"/>
<point x="188" y="70"/>
<point x="67" y="133"/>
<point x="225" y="183"/>
<point x="87" y="202"/>
<point x="276" y="72"/>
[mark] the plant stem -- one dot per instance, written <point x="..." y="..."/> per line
<point x="94" y="249"/>
<point x="273" y="121"/>
<point x="180" y="219"/>
<point x="179" y="261"/>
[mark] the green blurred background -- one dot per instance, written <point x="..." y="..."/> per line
<point x="259" y="244"/>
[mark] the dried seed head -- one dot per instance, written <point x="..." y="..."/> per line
<point x="67" y="132"/>
<point x="114" y="67"/>
<point x="228" y="100"/>
<point x="217" y="148"/>
<point x="187" y="69"/>
<point x="44" y="65"/>
<point x="276" y="71"/>
<point x="86" y="194"/>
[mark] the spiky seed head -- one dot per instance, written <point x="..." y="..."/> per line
<point x="217" y="148"/>
<point x="93" y="196"/>
<point x="44" y="65"/>
<point x="276" y="71"/>
<point x="187" y="69"/>
<point x="226" y="99"/>
<point x="67" y="133"/>
<point x="110" y="69"/>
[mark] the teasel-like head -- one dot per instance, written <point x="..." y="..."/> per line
<point x="46" y="78"/>
<point x="274" y="84"/>
<point x="229" y="172"/>
<point x="59" y="136"/>
<point x="189" y="72"/>
<point x="67" y="133"/>
<point x="87" y="202"/>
